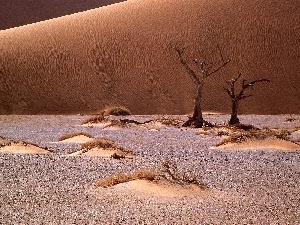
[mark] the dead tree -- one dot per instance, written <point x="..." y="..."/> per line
<point x="237" y="97"/>
<point x="199" y="76"/>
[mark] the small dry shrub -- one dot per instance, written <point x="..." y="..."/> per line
<point x="105" y="143"/>
<point x="94" y="119"/>
<point x="118" y="156"/>
<point x="116" y="111"/>
<point x="282" y="134"/>
<point x="290" y="119"/>
<point x="223" y="133"/>
<point x="277" y="132"/>
<point x="169" y="122"/>
<point x="118" y="123"/>
<point x="202" y="132"/>
<point x="98" y="143"/>
<point x="67" y="136"/>
<point x="236" y="138"/>
<point x="241" y="135"/>
<point x="168" y="172"/>
<point x="143" y="174"/>
<point x="4" y="142"/>
<point x="246" y="127"/>
<point x="171" y="173"/>
<point x="114" y="180"/>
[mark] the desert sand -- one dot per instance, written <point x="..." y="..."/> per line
<point x="163" y="189"/>
<point x="269" y="143"/>
<point x="96" y="152"/>
<point x="60" y="64"/>
<point x="120" y="55"/>
<point x="21" y="149"/>
<point x="78" y="139"/>
<point x="253" y="184"/>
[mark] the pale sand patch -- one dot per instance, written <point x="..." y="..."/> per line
<point x="19" y="148"/>
<point x="212" y="113"/>
<point x="99" y="152"/>
<point x="113" y="127"/>
<point x="168" y="190"/>
<point x="153" y="130"/>
<point x="271" y="143"/>
<point x="100" y="125"/>
<point x="156" y="125"/>
<point x="78" y="139"/>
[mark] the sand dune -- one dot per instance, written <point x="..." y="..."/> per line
<point x="119" y="55"/>
<point x="16" y="13"/>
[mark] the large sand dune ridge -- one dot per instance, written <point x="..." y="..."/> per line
<point x="119" y="54"/>
<point x="16" y="13"/>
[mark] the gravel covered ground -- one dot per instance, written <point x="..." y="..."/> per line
<point x="245" y="187"/>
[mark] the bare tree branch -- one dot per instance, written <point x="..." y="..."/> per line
<point x="220" y="67"/>
<point x="247" y="85"/>
<point x="224" y="63"/>
<point x="192" y="73"/>
<point x="251" y="84"/>
<point x="229" y="92"/>
<point x="235" y="98"/>
<point x="202" y="71"/>
<point x="220" y="52"/>
<point x="245" y="96"/>
<point x="233" y="81"/>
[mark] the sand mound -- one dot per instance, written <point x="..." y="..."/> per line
<point x="163" y="189"/>
<point x="78" y="139"/>
<point x="167" y="189"/>
<point x="100" y="152"/>
<point x="21" y="148"/>
<point x="271" y="143"/>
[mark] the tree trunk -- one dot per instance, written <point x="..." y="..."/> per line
<point x="197" y="119"/>
<point x="234" y="108"/>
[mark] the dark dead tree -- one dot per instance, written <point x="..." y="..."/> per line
<point x="199" y="76"/>
<point x="237" y="97"/>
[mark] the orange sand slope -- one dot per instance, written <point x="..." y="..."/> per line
<point x="16" y="13"/>
<point x="119" y="54"/>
